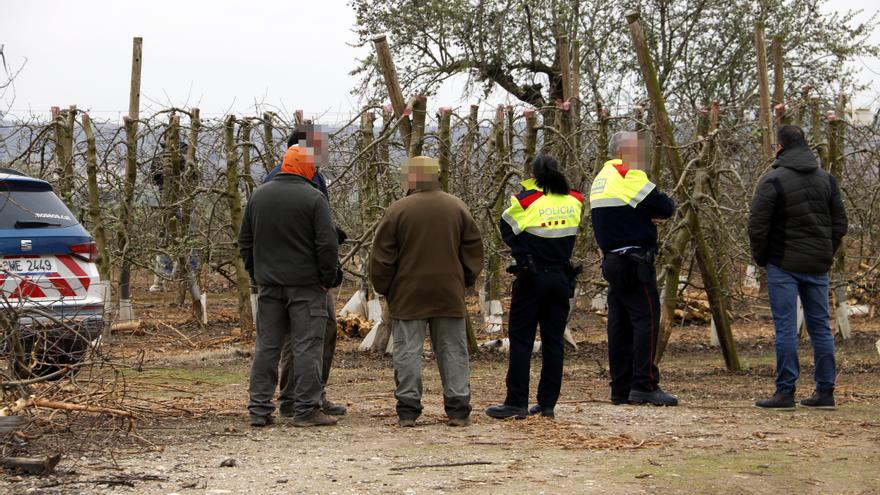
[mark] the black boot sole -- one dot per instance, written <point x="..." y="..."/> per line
<point x="514" y="416"/>
<point x="823" y="408"/>
<point x="786" y="408"/>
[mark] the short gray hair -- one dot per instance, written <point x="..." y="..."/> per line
<point x="617" y="140"/>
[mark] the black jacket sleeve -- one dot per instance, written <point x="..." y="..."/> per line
<point x="656" y="205"/>
<point x="760" y="216"/>
<point x="838" y="215"/>
<point x="246" y="241"/>
<point x="326" y="245"/>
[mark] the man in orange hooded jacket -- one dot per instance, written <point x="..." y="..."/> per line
<point x="289" y="247"/>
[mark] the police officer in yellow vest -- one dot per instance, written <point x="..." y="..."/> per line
<point x="540" y="226"/>
<point x="626" y="208"/>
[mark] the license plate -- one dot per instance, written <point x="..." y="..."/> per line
<point x="27" y="265"/>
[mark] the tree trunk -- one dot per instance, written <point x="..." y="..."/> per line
<point x="783" y="117"/>
<point x="392" y="85"/>
<point x="270" y="160"/>
<point x="445" y="151"/>
<point x="249" y="184"/>
<point x="187" y="259"/>
<point x="717" y="299"/>
<point x="838" y="269"/>
<point x="531" y="141"/>
<point x="498" y="161"/>
<point x="127" y="215"/>
<point x="95" y="199"/>
<point x="417" y="134"/>
<point x="242" y="279"/>
<point x="764" y="118"/>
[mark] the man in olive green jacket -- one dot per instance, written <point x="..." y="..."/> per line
<point x="427" y="250"/>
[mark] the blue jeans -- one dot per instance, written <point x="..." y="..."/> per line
<point x="784" y="288"/>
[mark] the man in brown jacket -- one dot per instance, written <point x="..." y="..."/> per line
<point x="426" y="251"/>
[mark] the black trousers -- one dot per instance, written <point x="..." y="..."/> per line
<point x="633" y="323"/>
<point x="540" y="298"/>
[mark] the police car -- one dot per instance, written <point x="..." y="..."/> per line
<point x="49" y="283"/>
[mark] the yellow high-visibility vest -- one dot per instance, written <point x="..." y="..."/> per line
<point x="544" y="215"/>
<point x="612" y="189"/>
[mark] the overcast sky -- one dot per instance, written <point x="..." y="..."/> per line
<point x="219" y="55"/>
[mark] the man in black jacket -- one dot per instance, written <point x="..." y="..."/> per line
<point x="289" y="247"/>
<point x="796" y="224"/>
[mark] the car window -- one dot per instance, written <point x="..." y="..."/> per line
<point x="32" y="205"/>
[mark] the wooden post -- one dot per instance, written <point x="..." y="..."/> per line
<point x="392" y="85"/>
<point x="836" y="154"/>
<point x="271" y="158"/>
<point x="783" y="117"/>
<point x="95" y="199"/>
<point x="717" y="299"/>
<point x="445" y="154"/>
<point x="531" y="141"/>
<point x="764" y="118"/>
<point x="130" y="123"/>
<point x="242" y="279"/>
<point x="419" y="113"/>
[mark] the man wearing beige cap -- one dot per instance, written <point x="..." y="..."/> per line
<point x="427" y="249"/>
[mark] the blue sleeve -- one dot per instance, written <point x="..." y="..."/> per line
<point x="272" y="173"/>
<point x="656" y="205"/>
<point x="321" y="182"/>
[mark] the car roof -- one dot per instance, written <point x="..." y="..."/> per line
<point x="11" y="175"/>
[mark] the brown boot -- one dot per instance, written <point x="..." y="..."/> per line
<point x="317" y="418"/>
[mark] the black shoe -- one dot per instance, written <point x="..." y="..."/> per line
<point x="821" y="399"/>
<point x="285" y="413"/>
<point x="783" y="401"/>
<point x="332" y="409"/>
<point x="657" y="397"/>
<point x="261" y="421"/>
<point x="620" y="400"/>
<point x="537" y="409"/>
<point x="503" y="411"/>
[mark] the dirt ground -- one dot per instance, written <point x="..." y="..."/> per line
<point x="715" y="441"/>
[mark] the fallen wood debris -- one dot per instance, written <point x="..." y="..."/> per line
<point x="31" y="465"/>
<point x="443" y="465"/>
<point x="132" y="326"/>
<point x="353" y="325"/>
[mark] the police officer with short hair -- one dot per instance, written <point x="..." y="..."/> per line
<point x="626" y="209"/>
<point x="540" y="226"/>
